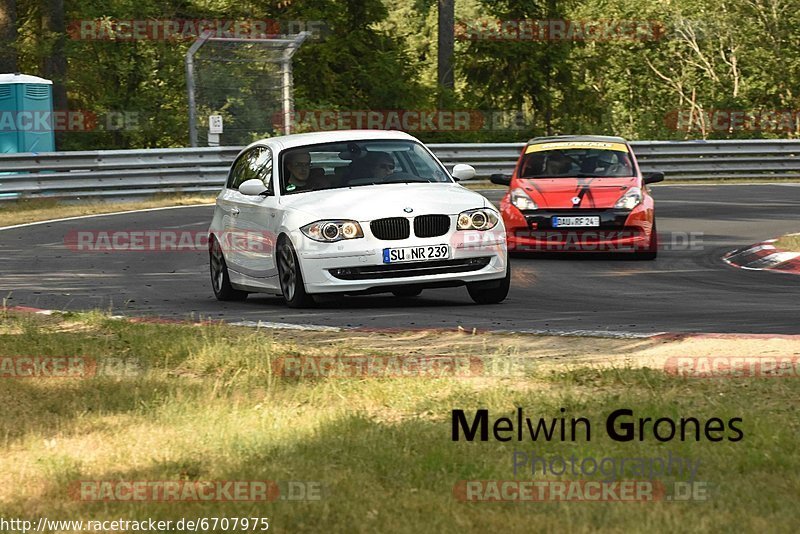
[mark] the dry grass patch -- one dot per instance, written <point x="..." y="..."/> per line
<point x="790" y="242"/>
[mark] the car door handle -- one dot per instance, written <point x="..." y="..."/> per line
<point x="234" y="211"/>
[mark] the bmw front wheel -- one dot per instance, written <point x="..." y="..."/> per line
<point x="291" y="276"/>
<point x="491" y="292"/>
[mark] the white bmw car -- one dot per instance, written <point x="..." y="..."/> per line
<point x="352" y="212"/>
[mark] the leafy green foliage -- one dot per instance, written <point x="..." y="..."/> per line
<point x="381" y="55"/>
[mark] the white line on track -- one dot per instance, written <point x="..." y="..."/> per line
<point x="619" y="334"/>
<point x="666" y="271"/>
<point x="614" y="334"/>
<point x="328" y="314"/>
<point x="745" y="204"/>
<point x="286" y="326"/>
<point x="101" y="215"/>
<point x="715" y="184"/>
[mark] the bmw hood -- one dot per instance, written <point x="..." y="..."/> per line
<point x="370" y="202"/>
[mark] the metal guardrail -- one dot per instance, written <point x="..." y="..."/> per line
<point x="114" y="173"/>
<point x="118" y="173"/>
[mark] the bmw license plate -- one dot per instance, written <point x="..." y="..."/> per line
<point x="575" y="222"/>
<point x="430" y="252"/>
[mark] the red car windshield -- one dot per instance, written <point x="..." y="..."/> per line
<point x="575" y="162"/>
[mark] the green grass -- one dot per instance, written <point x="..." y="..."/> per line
<point x="202" y="403"/>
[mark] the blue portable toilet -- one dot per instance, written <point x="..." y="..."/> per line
<point x="26" y="114"/>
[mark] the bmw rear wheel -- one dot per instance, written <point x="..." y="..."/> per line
<point x="220" y="280"/>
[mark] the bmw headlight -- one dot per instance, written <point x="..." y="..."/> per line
<point x="478" y="219"/>
<point x="522" y="201"/>
<point x="332" y="230"/>
<point x="632" y="198"/>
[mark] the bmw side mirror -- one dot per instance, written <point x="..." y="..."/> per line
<point x="463" y="172"/>
<point x="653" y="177"/>
<point x="500" y="179"/>
<point x="252" y="187"/>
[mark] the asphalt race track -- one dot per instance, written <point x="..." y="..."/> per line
<point x="687" y="289"/>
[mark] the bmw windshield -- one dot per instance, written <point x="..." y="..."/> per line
<point x="356" y="163"/>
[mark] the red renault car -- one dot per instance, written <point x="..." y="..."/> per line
<point x="579" y="194"/>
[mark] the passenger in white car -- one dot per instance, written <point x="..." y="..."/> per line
<point x="377" y="165"/>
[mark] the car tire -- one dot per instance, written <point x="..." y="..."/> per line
<point x="407" y="292"/>
<point x="651" y="252"/>
<point x="492" y="292"/>
<point x="290" y="276"/>
<point x="220" y="280"/>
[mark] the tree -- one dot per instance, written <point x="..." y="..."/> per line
<point x="54" y="65"/>
<point x="507" y="70"/>
<point x="8" y="36"/>
<point x="356" y="66"/>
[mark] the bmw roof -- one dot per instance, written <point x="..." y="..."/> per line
<point x="336" y="136"/>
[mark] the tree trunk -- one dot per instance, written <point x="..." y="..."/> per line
<point x="8" y="36"/>
<point x="446" y="43"/>
<point x="54" y="65"/>
<point x="552" y="13"/>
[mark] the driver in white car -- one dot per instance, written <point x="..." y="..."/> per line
<point x="298" y="165"/>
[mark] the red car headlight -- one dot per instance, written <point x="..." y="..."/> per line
<point x="521" y="200"/>
<point x="632" y="198"/>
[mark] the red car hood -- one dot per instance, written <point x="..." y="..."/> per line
<point x="557" y="193"/>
